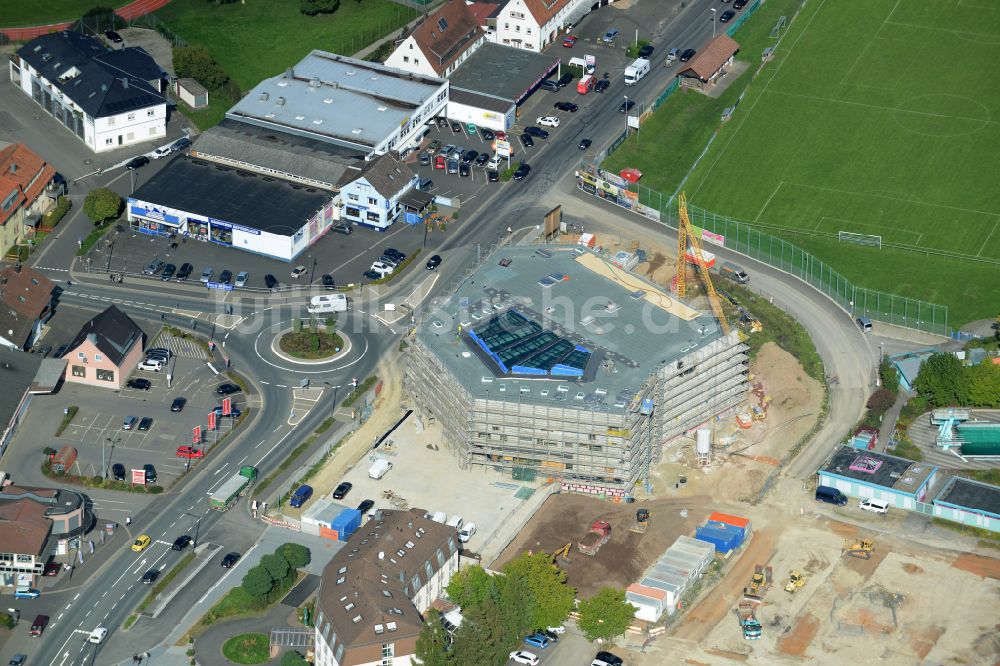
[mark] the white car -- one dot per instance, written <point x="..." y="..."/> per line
<point x="548" y="121"/>
<point x="464" y="534"/>
<point x="382" y="268"/>
<point x="523" y="657"/>
<point x="97" y="635"/>
<point x="162" y="151"/>
<point x="151" y="365"/>
<point x="298" y="272"/>
<point x="557" y="629"/>
<point x="241" y="278"/>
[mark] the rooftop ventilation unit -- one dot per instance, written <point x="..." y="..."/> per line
<point x="280" y="101"/>
<point x="264" y="96"/>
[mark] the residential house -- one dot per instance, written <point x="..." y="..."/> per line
<point x="24" y="177"/>
<point x="17" y="372"/>
<point x="107" y="98"/>
<point x="440" y="43"/>
<point x="371" y="197"/>
<point x="374" y="590"/>
<point x="34" y="522"/>
<point x="26" y="303"/>
<point x="534" y="24"/>
<point x="105" y="351"/>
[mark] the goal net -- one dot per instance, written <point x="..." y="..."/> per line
<point x="860" y="239"/>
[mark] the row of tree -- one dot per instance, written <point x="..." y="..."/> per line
<point x="944" y="381"/>
<point x="499" y="610"/>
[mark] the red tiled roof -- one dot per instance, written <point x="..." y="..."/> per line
<point x="440" y="46"/>
<point x="543" y="10"/>
<point x="482" y="11"/>
<point x="22" y="170"/>
<point x="24" y="528"/>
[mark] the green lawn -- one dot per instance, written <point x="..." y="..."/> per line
<point x="14" y="13"/>
<point x="855" y="126"/>
<point x="262" y="38"/>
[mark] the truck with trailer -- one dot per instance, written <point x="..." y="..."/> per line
<point x="226" y="495"/>
<point x="731" y="271"/>
<point x="600" y="532"/>
<point x="635" y="71"/>
<point x="748" y="620"/>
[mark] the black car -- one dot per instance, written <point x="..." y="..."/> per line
<point x="228" y="389"/>
<point x="185" y="271"/>
<point x="178" y="404"/>
<point x="551" y="635"/>
<point x="566" y="106"/>
<point x="145" y="423"/>
<point x="234" y="412"/>
<point x="271" y="281"/>
<point x="181" y="542"/>
<point x="343" y="228"/>
<point x="492" y="175"/>
<point x="371" y="275"/>
<point x="150" y="577"/>
<point x="395" y="254"/>
<point x="469" y="155"/>
<point x="168" y="272"/>
<point x="727" y="16"/>
<point x="113" y="36"/>
<point x="341" y="491"/>
<point x="626" y="105"/>
<point x="536" y="132"/>
<point x="442" y="122"/>
<point x="137" y="162"/>
<point x="487" y="135"/>
<point x="585" y="143"/>
<point x="565" y="80"/>
<point x="482" y="159"/>
<point x="456" y="127"/>
<point x="646" y="51"/>
<point x="609" y="658"/>
<point x="434" y="262"/>
<point x="180" y="144"/>
<point x="139" y="384"/>
<point x="522" y="172"/>
<point x="118" y="472"/>
<point x="328" y="281"/>
<point x="366" y="505"/>
<point x="150" y="473"/>
<point x="225" y="276"/>
<point x="687" y="55"/>
<point x="230" y="560"/>
<point x="464" y="170"/>
<point x="739" y="4"/>
<point x="602" y="85"/>
<point x="527" y="141"/>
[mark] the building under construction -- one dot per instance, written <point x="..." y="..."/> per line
<point x="552" y="362"/>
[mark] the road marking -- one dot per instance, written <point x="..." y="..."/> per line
<point x="266" y="383"/>
<point x="77" y="596"/>
<point x="273" y="448"/>
<point x="281" y="385"/>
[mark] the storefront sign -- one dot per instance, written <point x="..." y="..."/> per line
<point x="229" y="225"/>
<point x="219" y="285"/>
<point x="153" y="214"/>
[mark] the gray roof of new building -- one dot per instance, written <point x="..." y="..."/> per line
<point x="479" y="100"/>
<point x="17" y="371"/>
<point x="879" y="469"/>
<point x="101" y="81"/>
<point x="233" y="195"/>
<point x="629" y="335"/>
<point x="279" y="152"/>
<point x="503" y="71"/>
<point x="113" y="332"/>
<point x="971" y="495"/>
<point x="337" y="99"/>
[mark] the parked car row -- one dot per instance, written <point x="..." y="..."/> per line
<point x="386" y="264"/>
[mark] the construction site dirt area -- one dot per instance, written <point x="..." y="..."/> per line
<point x="565" y="518"/>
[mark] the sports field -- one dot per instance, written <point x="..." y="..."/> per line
<point x="880" y="117"/>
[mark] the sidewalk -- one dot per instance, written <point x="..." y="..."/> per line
<point x="889" y="422"/>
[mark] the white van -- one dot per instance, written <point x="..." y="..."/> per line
<point x="439" y="517"/>
<point x="874" y="505"/>
<point x="456" y="522"/>
<point x="865" y="324"/>
<point x="379" y="469"/>
<point x="327" y="303"/>
<point x="97" y="635"/>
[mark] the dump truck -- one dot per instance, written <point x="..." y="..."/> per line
<point x="748" y="620"/>
<point x="227" y="494"/>
<point x="600" y="532"/>
<point x="731" y="271"/>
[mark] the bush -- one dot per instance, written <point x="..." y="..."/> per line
<point x="881" y="400"/>
<point x="314" y="7"/>
<point x="67" y="419"/>
<point x="508" y="173"/>
<point x="293" y="658"/>
<point x="54" y="216"/>
<point x="194" y="62"/>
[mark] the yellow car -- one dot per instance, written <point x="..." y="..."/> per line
<point x="141" y="543"/>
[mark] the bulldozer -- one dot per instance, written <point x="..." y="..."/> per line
<point x="860" y="548"/>
<point x="641" y="521"/>
<point x="759" y="583"/>
<point x="795" y="581"/>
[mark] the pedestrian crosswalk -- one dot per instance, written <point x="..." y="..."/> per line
<point x="185" y="347"/>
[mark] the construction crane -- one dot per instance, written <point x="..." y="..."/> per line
<point x="685" y="232"/>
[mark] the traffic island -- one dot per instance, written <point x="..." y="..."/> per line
<point x="306" y="344"/>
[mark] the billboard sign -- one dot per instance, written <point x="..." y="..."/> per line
<point x="227" y="406"/>
<point x="502" y="148"/>
<point x="196" y="435"/>
<point x="211" y="420"/>
<point x="139" y="477"/>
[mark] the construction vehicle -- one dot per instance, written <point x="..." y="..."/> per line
<point x="685" y="232"/>
<point x="600" y="532"/>
<point x="860" y="548"/>
<point x="759" y="584"/>
<point x="562" y="555"/>
<point x="747" y="612"/>
<point x="230" y="491"/>
<point x="795" y="581"/>
<point x="641" y="521"/>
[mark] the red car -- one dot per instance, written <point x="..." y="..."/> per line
<point x="189" y="452"/>
<point x="500" y="136"/>
<point x="569" y="41"/>
<point x="439" y="162"/>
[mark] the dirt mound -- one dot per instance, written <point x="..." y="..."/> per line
<point x="986" y="567"/>
<point x="912" y="568"/>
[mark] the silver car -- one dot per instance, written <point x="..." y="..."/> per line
<point x="206" y="275"/>
<point x="241" y="278"/>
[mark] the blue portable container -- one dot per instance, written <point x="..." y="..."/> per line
<point x="346" y="523"/>
<point x="724" y="537"/>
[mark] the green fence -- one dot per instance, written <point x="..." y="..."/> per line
<point x="743" y="16"/>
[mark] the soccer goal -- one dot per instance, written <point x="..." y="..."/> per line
<point x="860" y="239"/>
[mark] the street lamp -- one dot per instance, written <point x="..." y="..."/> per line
<point x="104" y="460"/>
<point x="626" y="116"/>
<point x="197" y="525"/>
<point x="713" y="21"/>
<point x="333" y="409"/>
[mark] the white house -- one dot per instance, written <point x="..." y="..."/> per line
<point x="534" y="24"/>
<point x="371" y="197"/>
<point x="107" y="98"/>
<point x="440" y="43"/>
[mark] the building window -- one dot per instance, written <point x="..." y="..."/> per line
<point x="98" y="357"/>
<point x="373" y="217"/>
<point x="388" y="650"/>
<point x="416" y="61"/>
<point x="352" y="197"/>
<point x="506" y="26"/>
<point x="528" y="30"/>
<point x="79" y="371"/>
<point x="108" y="142"/>
<point x="131" y="116"/>
<point x="105" y="375"/>
<point x="406" y="58"/>
<point x="111" y="121"/>
<point x="372" y="201"/>
<point x="150" y="113"/>
<point x="517" y="28"/>
<point x="516" y="15"/>
<point x="351" y="211"/>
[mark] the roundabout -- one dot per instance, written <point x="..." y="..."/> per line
<point x="323" y="347"/>
<point x="354" y="347"/>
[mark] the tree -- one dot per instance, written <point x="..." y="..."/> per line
<point x="432" y="643"/>
<point x="276" y="565"/>
<point x="470" y="588"/>
<point x="552" y="599"/>
<point x="881" y="400"/>
<point x="519" y="607"/>
<point x="984" y="384"/>
<point x="888" y="374"/>
<point x="605" y="615"/>
<point x="293" y="658"/>
<point x="481" y="640"/>
<point x="314" y="7"/>
<point x="295" y="554"/>
<point x="195" y="62"/>
<point x="942" y="381"/>
<point x="102" y="205"/>
<point x="258" y="583"/>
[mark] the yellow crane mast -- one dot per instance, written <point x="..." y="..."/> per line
<point x="685" y="232"/>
